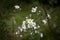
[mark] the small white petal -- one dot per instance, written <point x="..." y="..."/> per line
<point x="26" y="17"/>
<point x="35" y="28"/>
<point x="24" y="27"/>
<point x="36" y="7"/>
<point x="31" y="33"/>
<point x="16" y="6"/>
<point x="29" y="26"/>
<point x="21" y="29"/>
<point x="34" y="23"/>
<point x="24" y="22"/>
<point x="33" y="11"/>
<point x="41" y="35"/>
<point x="17" y="32"/>
<point x="21" y="35"/>
<point x="36" y="31"/>
<point x="49" y="16"/>
<point x="38" y="26"/>
<point x="39" y="11"/>
<point x="44" y="21"/>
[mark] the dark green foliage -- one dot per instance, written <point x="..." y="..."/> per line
<point x="50" y="33"/>
<point x="10" y="3"/>
<point x="51" y="3"/>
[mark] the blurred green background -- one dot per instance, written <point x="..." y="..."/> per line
<point x="11" y="18"/>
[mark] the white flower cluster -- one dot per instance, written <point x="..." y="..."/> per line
<point x="28" y="24"/>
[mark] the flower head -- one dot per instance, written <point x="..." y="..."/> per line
<point x="34" y="9"/>
<point x="29" y="21"/>
<point x="16" y="6"/>
<point x="44" y="21"/>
